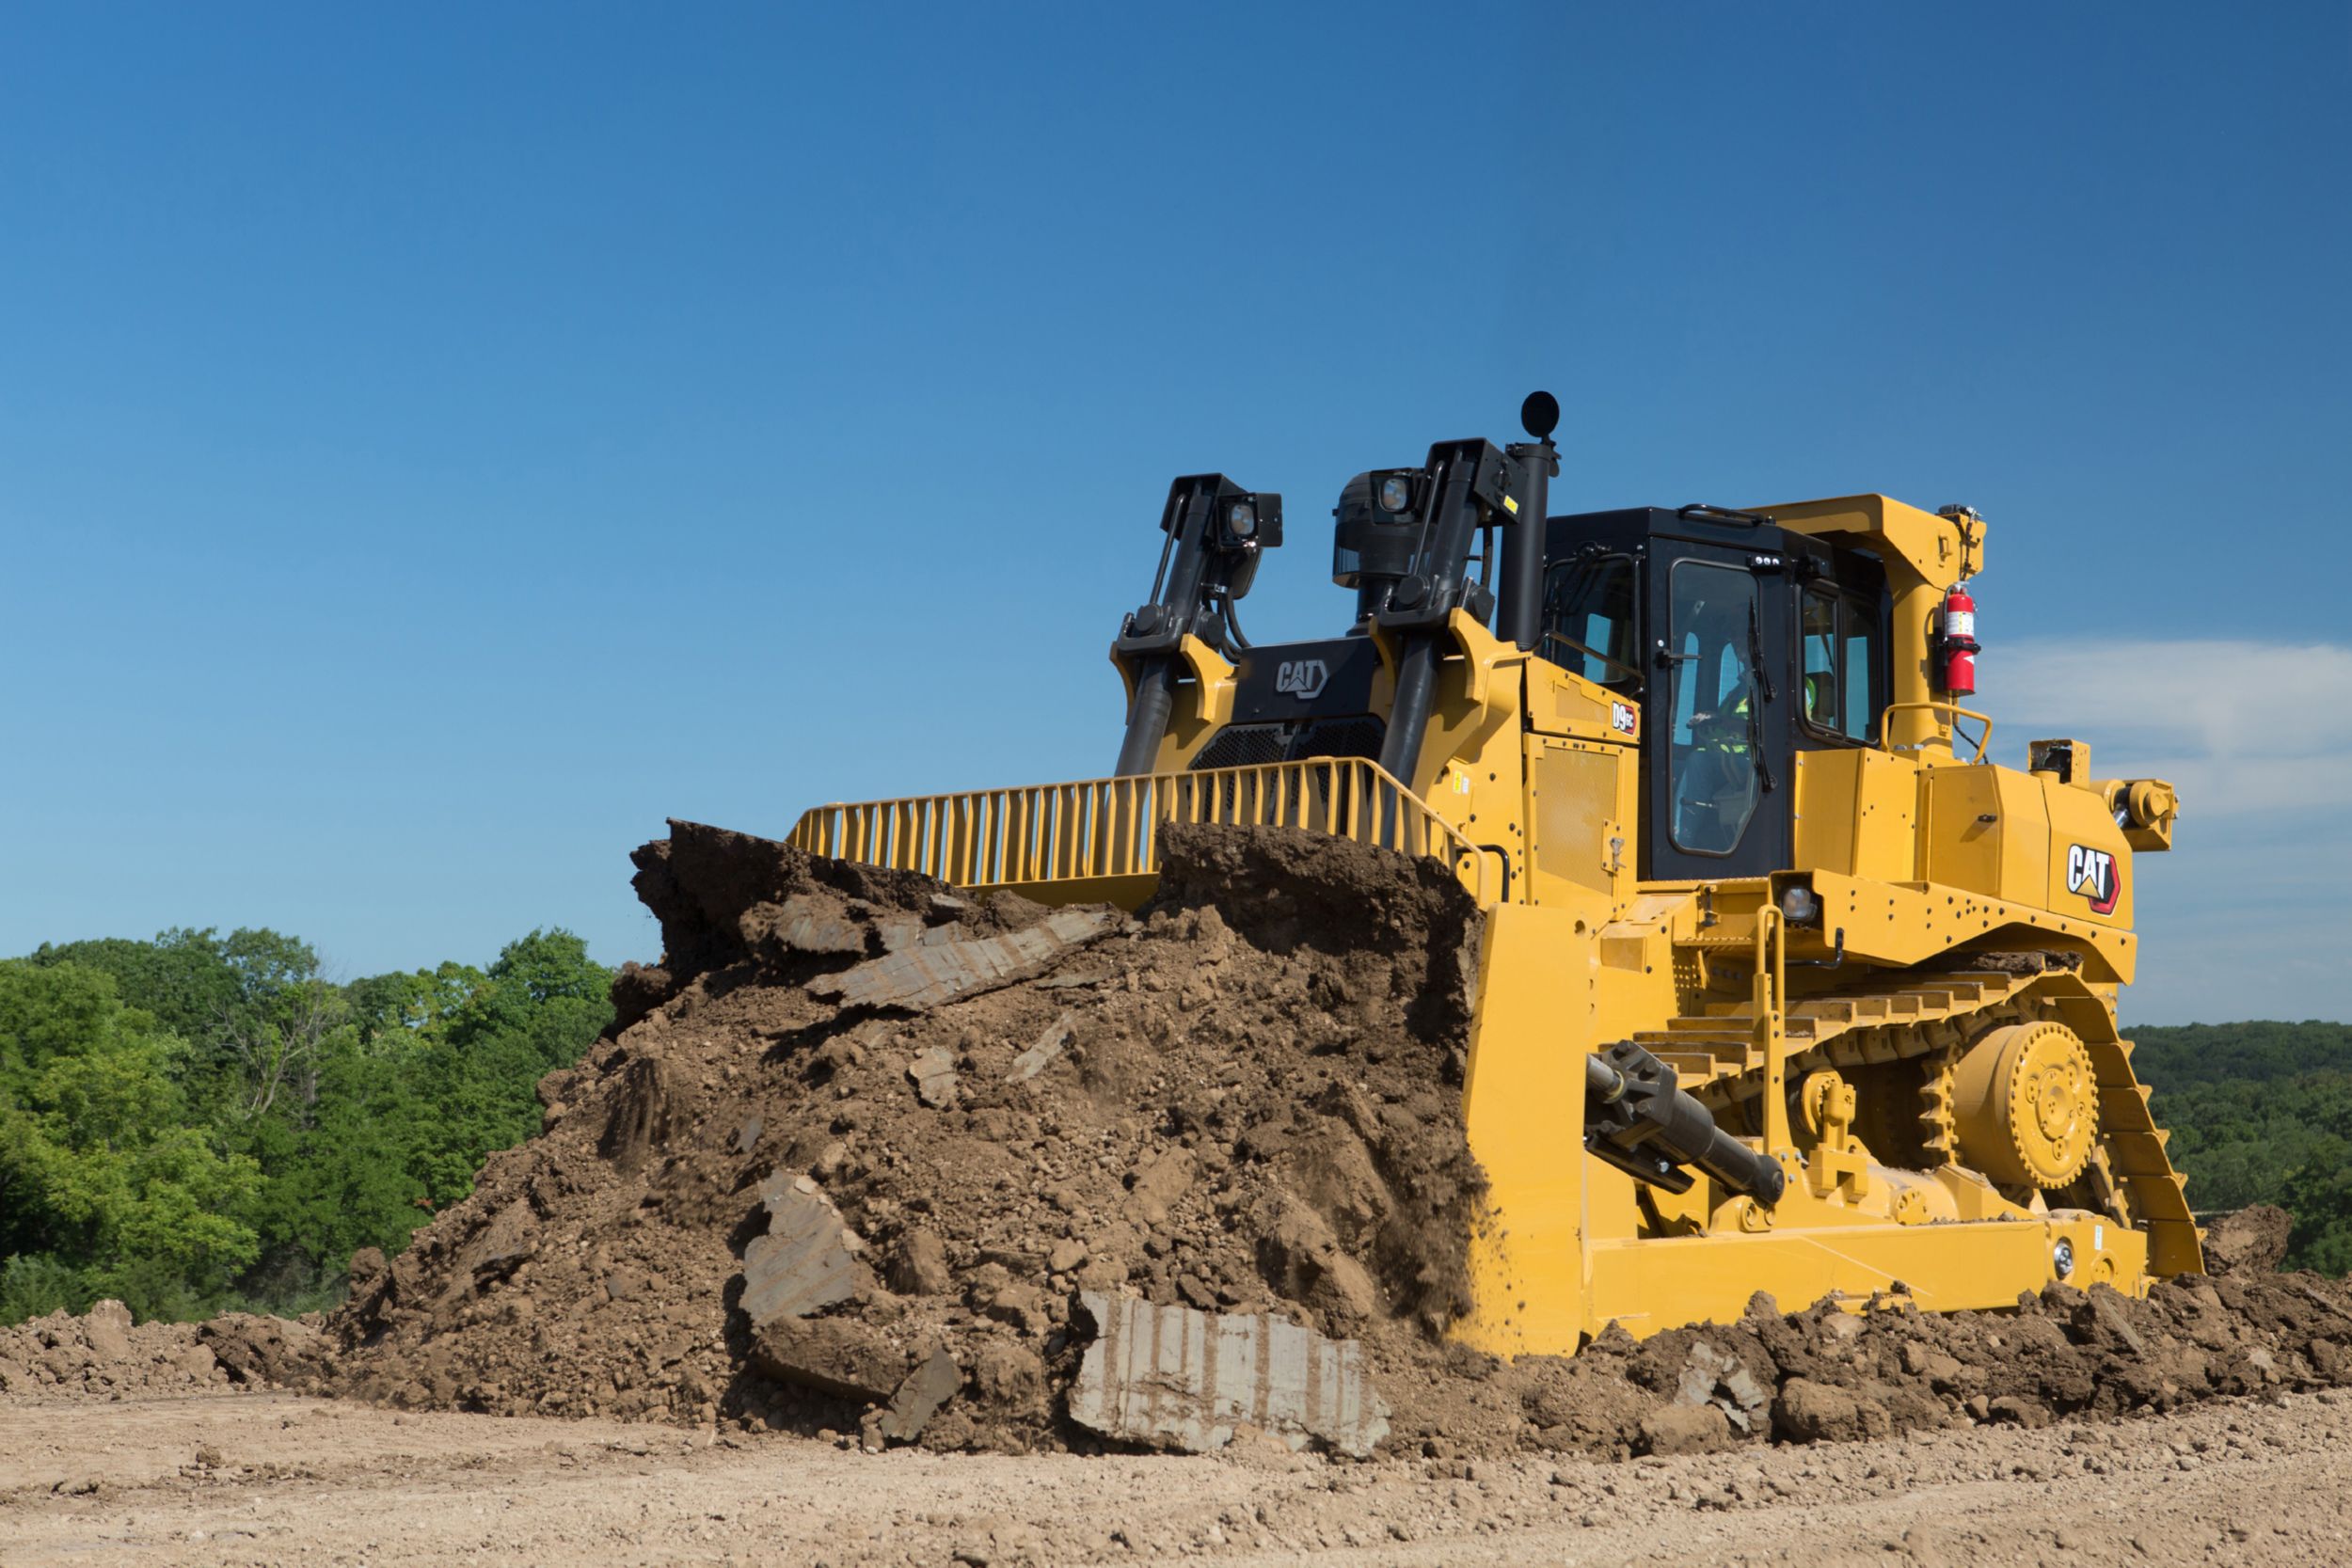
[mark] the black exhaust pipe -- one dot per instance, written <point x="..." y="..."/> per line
<point x="1518" y="615"/>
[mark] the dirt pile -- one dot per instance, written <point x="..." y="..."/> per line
<point x="2249" y="1241"/>
<point x="102" y="1353"/>
<point x="858" y="1151"/>
<point x="858" y="1124"/>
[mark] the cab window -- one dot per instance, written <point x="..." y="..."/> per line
<point x="1715" y="730"/>
<point x="1588" y="619"/>
<point x="1838" y="645"/>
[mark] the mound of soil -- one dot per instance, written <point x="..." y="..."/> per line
<point x="1247" y="1098"/>
<point x="855" y="1149"/>
<point x="102" y="1353"/>
<point x="2250" y="1241"/>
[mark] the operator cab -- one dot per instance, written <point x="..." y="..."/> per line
<point x="1743" y="645"/>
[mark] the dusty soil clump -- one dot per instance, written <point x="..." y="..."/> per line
<point x="856" y="1148"/>
<point x="102" y="1354"/>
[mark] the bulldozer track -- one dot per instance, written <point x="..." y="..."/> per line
<point x="1929" y="1018"/>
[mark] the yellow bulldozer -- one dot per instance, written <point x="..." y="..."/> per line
<point x="1783" y="986"/>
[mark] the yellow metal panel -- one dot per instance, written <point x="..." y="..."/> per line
<point x="1578" y="838"/>
<point x="1827" y="784"/>
<point x="1523" y="1103"/>
<point x="1891" y="924"/>
<point x="1887" y="810"/>
<point x="1657" y="1283"/>
<point x="1986" y="830"/>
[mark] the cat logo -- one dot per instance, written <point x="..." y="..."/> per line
<point x="2094" y="874"/>
<point x="1302" y="678"/>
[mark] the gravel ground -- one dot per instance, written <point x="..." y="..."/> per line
<point x="238" y="1479"/>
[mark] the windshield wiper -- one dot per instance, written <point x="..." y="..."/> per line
<point x="1755" y="709"/>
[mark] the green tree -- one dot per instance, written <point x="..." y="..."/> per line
<point x="100" y="1169"/>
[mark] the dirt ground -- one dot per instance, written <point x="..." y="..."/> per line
<point x="234" y="1478"/>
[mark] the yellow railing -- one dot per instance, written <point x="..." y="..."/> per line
<point x="1983" y="736"/>
<point x="1107" y="832"/>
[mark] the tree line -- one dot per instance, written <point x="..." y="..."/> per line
<point x="205" y="1122"/>
<point x="2260" y="1113"/>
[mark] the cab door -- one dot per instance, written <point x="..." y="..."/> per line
<point x="1716" y="754"/>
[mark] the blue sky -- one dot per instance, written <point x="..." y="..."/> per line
<point x="437" y="443"/>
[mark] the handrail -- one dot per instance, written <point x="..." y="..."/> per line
<point x="1983" y="740"/>
<point x="1096" y="830"/>
<point x="1769" y="991"/>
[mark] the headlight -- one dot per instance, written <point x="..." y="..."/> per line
<point x="1396" y="493"/>
<point x="1799" y="906"/>
<point x="1241" y="520"/>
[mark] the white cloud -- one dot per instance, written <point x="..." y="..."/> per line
<point x="2239" y="726"/>
<point x="2243" y="919"/>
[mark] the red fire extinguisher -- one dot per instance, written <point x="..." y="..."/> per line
<point x="1958" y="641"/>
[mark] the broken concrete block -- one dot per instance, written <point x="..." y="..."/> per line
<point x="924" y="974"/>
<point x="803" y="922"/>
<point x="1173" y="1377"/>
<point x="918" y="1399"/>
<point x="807" y="1260"/>
<point x="900" y="932"/>
<point x="833" y="1356"/>
<point x="1716" y="1377"/>
<point x="1041" y="1053"/>
<point x="934" y="1075"/>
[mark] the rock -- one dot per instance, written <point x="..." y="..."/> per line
<point x="925" y="976"/>
<point x="2101" y="1316"/>
<point x="2249" y="1240"/>
<point x="2022" y="1412"/>
<point x="833" y="1356"/>
<point x="1716" y="1377"/>
<point x="1010" y="1375"/>
<point x="934" y="1075"/>
<point x="919" y="1396"/>
<point x="1303" y="1260"/>
<point x="1810" y="1412"/>
<point x="107" y="1328"/>
<point x="1685" y="1429"/>
<point x="815" y="923"/>
<point x="260" y="1351"/>
<point x="1022" y="1306"/>
<point x="1176" y="1378"/>
<point x="1159" y="1186"/>
<point x="1067" y="1257"/>
<point x="1042" y="1051"/>
<point x="496" y="1251"/>
<point x="368" y="1265"/>
<point x="919" y="1268"/>
<point x="807" y="1260"/>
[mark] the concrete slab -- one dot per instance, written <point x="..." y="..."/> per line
<point x="1176" y="1378"/>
